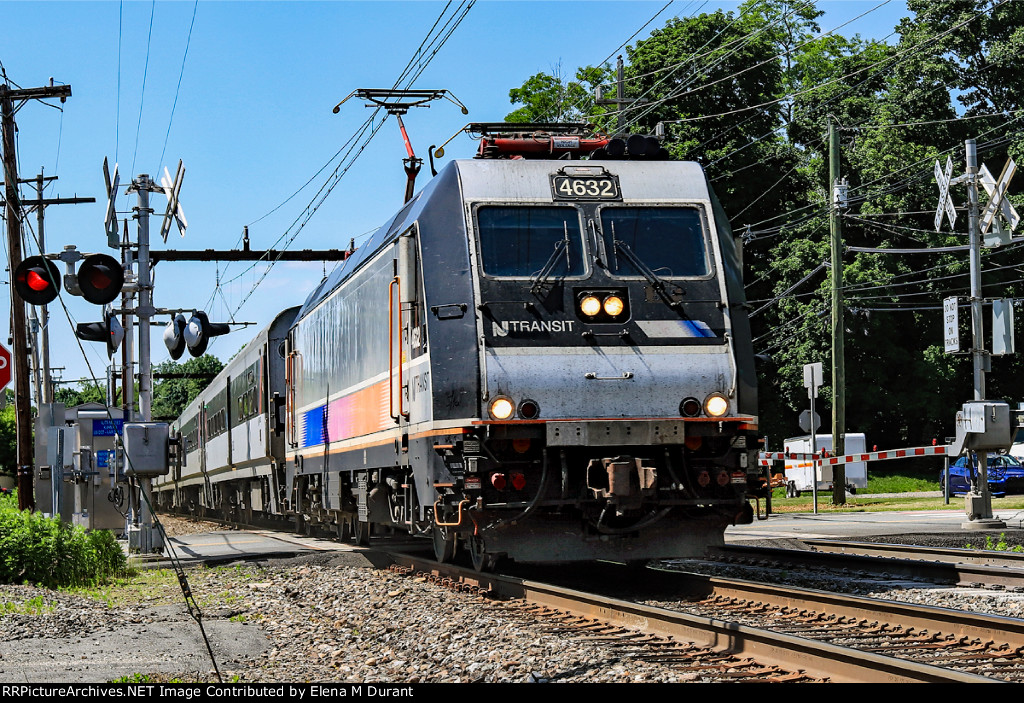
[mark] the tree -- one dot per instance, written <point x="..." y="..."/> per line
<point x="749" y="95"/>
<point x="172" y="395"/>
<point x="551" y="98"/>
<point x="85" y="393"/>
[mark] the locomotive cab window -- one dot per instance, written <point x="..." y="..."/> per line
<point x="667" y="240"/>
<point x="522" y="241"/>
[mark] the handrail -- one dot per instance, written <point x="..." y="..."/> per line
<point x="396" y="281"/>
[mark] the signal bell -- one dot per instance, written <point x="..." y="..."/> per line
<point x="37" y="280"/>
<point x="109" y="331"/>
<point x="199" y="330"/>
<point x="174" y="336"/>
<point x="100" y="278"/>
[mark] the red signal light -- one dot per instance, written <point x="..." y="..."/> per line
<point x="498" y="481"/>
<point x="37" y="280"/>
<point x="518" y="481"/>
<point x="101" y="278"/>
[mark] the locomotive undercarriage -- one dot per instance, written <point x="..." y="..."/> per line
<point x="504" y="492"/>
<point x="519" y="498"/>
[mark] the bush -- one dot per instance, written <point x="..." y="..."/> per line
<point x="51" y="553"/>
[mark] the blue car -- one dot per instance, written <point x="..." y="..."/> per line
<point x="1005" y="475"/>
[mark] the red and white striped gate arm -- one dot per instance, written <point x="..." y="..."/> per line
<point x="764" y="458"/>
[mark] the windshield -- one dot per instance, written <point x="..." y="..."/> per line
<point x="522" y="241"/>
<point x="668" y="240"/>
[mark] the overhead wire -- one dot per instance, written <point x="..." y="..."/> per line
<point x="177" y="89"/>
<point x="145" y="74"/>
<point x="421" y="58"/>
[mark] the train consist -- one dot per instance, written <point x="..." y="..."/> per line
<point x="539" y="357"/>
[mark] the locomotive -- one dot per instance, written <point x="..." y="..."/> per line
<point x="539" y="357"/>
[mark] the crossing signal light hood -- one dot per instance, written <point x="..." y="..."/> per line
<point x="37" y="280"/>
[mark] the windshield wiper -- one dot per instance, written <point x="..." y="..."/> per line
<point x="656" y="282"/>
<point x="541" y="277"/>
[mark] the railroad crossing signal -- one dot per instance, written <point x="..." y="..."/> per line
<point x="37" y="280"/>
<point x="5" y="367"/>
<point x="110" y="220"/>
<point x="109" y="331"/>
<point x="997" y="201"/>
<point x="945" y="200"/>
<point x="195" y="334"/>
<point x="172" y="189"/>
<point x="100" y="278"/>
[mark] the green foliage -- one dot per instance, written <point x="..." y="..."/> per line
<point x="999" y="545"/>
<point x="50" y="553"/>
<point x="8" y="442"/>
<point x="85" y="393"/>
<point x="172" y="395"/>
<point x="750" y="95"/>
<point x="552" y="98"/>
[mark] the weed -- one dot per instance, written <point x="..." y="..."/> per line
<point x="992" y="545"/>
<point x="33" y="606"/>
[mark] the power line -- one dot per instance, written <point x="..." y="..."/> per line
<point x="181" y="73"/>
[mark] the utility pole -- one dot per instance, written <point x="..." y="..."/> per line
<point x="620" y="102"/>
<point x="45" y="393"/>
<point x="22" y="404"/>
<point x="838" y="352"/>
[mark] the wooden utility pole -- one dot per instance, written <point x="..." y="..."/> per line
<point x="838" y="353"/>
<point x="621" y="102"/>
<point x="42" y="353"/>
<point x="19" y="330"/>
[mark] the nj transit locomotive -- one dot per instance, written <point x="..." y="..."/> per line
<point x="542" y="359"/>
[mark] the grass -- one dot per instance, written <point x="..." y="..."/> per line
<point x="161" y="587"/>
<point x="31" y="606"/>
<point x="887" y="481"/>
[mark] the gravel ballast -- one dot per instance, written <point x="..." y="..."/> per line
<point x="332" y="617"/>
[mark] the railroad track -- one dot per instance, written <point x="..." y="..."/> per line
<point x="717" y="645"/>
<point x="718" y="629"/>
<point x="961" y="567"/>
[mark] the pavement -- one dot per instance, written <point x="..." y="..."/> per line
<point x="829" y="525"/>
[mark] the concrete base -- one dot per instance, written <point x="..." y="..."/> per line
<point x="983" y="524"/>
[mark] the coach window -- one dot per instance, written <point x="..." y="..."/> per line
<point x="668" y="240"/>
<point x="522" y="241"/>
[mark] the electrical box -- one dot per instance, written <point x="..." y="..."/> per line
<point x="983" y="425"/>
<point x="146" y="449"/>
<point x="79" y="480"/>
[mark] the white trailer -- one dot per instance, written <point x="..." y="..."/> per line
<point x="800" y="471"/>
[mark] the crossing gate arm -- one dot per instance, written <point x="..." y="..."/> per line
<point x="765" y="458"/>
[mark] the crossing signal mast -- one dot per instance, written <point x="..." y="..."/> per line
<point x="981" y="425"/>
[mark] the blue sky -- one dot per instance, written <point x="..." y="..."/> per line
<point x="252" y="120"/>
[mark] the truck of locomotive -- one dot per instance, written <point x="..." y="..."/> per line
<point x="447" y="381"/>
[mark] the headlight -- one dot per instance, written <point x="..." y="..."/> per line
<point x="502" y="408"/>
<point x="690" y="407"/>
<point x="716" y="405"/>
<point x="529" y="410"/>
<point x="590" y="306"/>
<point x="613" y="305"/>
